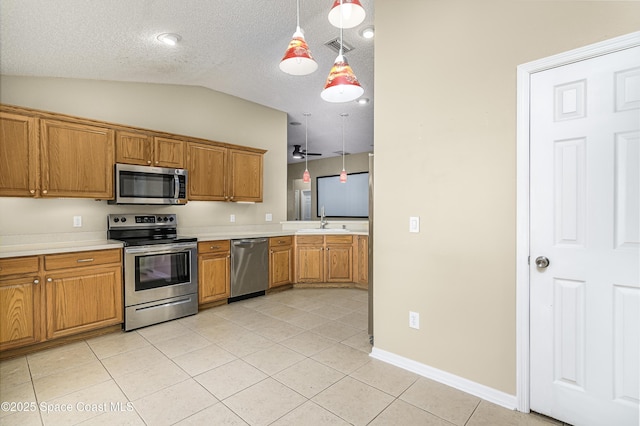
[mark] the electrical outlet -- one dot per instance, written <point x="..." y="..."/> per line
<point x="268" y="217"/>
<point x="77" y="221"/>
<point x="232" y="218"/>
<point x="414" y="320"/>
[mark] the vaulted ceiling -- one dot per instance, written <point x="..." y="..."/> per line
<point x="231" y="46"/>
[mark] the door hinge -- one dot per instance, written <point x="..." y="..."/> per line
<point x="528" y="260"/>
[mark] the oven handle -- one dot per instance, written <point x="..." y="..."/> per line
<point x="176" y="187"/>
<point x="161" y="248"/>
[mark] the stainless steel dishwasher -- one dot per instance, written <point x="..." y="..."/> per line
<point x="249" y="268"/>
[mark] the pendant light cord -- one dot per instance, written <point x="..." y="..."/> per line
<point x="341" y="11"/>
<point x="298" y="13"/>
<point x="306" y="139"/>
<point x="344" y="115"/>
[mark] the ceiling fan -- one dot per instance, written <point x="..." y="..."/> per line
<point x="301" y="153"/>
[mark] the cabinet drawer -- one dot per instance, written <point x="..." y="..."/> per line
<point x="19" y="265"/>
<point x="280" y="241"/>
<point x="316" y="240"/>
<point x="339" y="239"/>
<point x="81" y="259"/>
<point x="216" y="246"/>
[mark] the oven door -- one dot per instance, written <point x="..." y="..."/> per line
<point x="157" y="272"/>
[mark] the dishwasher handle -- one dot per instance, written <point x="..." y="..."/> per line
<point x="248" y="242"/>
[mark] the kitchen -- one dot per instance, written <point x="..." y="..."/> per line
<point x="436" y="254"/>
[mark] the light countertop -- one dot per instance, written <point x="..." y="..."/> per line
<point x="44" y="247"/>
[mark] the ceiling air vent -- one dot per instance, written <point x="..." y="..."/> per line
<point x="335" y="45"/>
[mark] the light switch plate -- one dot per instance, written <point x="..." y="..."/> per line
<point x="77" y="221"/>
<point x="414" y="224"/>
<point x="232" y="218"/>
<point x="268" y="217"/>
<point x="414" y="320"/>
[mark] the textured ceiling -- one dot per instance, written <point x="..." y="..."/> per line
<point x="232" y="46"/>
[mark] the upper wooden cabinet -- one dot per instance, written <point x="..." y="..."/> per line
<point x="76" y="160"/>
<point x="44" y="154"/>
<point x="245" y="175"/>
<point x="223" y="174"/>
<point x="146" y="150"/>
<point x="19" y="170"/>
<point x="207" y="167"/>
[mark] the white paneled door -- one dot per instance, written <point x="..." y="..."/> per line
<point x="585" y="222"/>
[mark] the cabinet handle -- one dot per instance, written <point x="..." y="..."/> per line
<point x="214" y="247"/>
<point x="148" y="161"/>
<point x="33" y="191"/>
<point x="49" y="280"/>
<point x="44" y="191"/>
<point x="157" y="162"/>
<point x="85" y="260"/>
<point x="36" y="281"/>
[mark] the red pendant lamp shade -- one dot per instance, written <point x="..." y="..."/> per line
<point x="342" y="84"/>
<point x="306" y="177"/>
<point x="297" y="59"/>
<point x="346" y="13"/>
<point x="343" y="176"/>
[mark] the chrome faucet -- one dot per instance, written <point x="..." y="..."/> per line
<point x="323" y="220"/>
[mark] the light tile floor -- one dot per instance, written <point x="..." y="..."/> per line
<point x="297" y="357"/>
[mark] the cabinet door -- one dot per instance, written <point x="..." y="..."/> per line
<point x="168" y="153"/>
<point x="76" y="160"/>
<point x="362" y="262"/>
<point x="207" y="167"/>
<point x="20" y="308"/>
<point x="134" y="148"/>
<point x="83" y="299"/>
<point x="280" y="266"/>
<point x="214" y="271"/>
<point x="339" y="260"/>
<point x="18" y="156"/>
<point x="309" y="264"/>
<point x="245" y="176"/>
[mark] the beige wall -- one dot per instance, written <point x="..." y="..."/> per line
<point x="185" y="110"/>
<point x="353" y="163"/>
<point x="445" y="150"/>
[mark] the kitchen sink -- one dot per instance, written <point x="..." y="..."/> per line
<point x="322" y="231"/>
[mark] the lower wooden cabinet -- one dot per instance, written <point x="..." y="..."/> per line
<point x="58" y="295"/>
<point x="20" y="302"/>
<point x="214" y="271"/>
<point x="324" y="258"/>
<point x="309" y="258"/>
<point x="280" y="261"/>
<point x="361" y="261"/>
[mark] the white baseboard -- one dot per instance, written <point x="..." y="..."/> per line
<point x="481" y="391"/>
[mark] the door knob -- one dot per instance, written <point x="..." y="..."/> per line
<point x="542" y="262"/>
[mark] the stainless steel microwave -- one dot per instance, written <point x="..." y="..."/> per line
<point x="149" y="185"/>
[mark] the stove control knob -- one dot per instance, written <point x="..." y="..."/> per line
<point x="166" y="219"/>
<point x="171" y="219"/>
<point x="159" y="219"/>
<point x="123" y="220"/>
<point x="116" y="220"/>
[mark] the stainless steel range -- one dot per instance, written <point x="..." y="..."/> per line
<point x="160" y="268"/>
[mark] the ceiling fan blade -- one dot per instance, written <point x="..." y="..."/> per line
<point x="312" y="153"/>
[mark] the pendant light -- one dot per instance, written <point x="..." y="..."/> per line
<point x="346" y="14"/>
<point x="297" y="59"/>
<point x="343" y="173"/>
<point x="342" y="84"/>
<point x="306" y="177"/>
